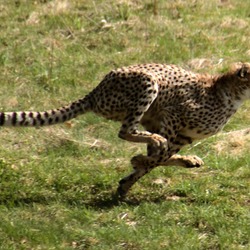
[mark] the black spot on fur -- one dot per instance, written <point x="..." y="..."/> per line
<point x="14" y="118"/>
<point x="50" y="120"/>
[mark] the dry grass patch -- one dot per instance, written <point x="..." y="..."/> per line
<point x="233" y="143"/>
<point x="51" y="8"/>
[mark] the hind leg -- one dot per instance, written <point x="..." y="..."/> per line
<point x="136" y="109"/>
<point x="129" y="132"/>
<point x="142" y="164"/>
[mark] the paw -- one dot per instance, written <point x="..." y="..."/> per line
<point x="159" y="141"/>
<point x="192" y="161"/>
<point x="121" y="193"/>
<point x="123" y="188"/>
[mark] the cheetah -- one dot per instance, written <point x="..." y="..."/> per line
<point x="174" y="106"/>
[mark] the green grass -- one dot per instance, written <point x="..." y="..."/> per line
<point x="57" y="183"/>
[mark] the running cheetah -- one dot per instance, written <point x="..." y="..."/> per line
<point x="175" y="106"/>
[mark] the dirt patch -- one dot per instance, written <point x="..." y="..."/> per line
<point x="229" y="22"/>
<point x="55" y="7"/>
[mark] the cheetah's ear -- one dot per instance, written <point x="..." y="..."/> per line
<point x="243" y="72"/>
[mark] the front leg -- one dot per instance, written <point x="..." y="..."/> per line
<point x="134" y="135"/>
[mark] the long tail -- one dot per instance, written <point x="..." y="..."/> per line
<point x="50" y="117"/>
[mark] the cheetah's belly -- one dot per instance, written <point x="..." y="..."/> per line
<point x="199" y="133"/>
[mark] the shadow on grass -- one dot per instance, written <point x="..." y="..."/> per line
<point x="97" y="196"/>
<point x="111" y="200"/>
<point x="104" y="200"/>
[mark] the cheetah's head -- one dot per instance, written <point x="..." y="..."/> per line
<point x="242" y="71"/>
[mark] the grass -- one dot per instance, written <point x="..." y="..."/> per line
<point x="56" y="183"/>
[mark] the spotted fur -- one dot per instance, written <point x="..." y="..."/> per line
<point x="175" y="106"/>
